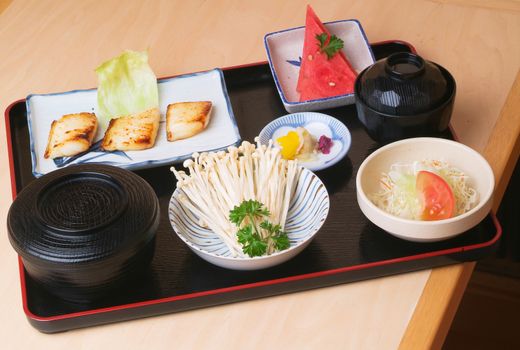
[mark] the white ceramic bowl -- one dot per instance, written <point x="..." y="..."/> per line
<point x="416" y="149"/>
<point x="284" y="50"/>
<point x="308" y="210"/>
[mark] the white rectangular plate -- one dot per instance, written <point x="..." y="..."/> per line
<point x="221" y="132"/>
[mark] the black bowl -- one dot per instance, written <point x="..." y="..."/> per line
<point x="85" y="230"/>
<point x="424" y="91"/>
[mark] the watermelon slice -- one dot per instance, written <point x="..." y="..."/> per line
<point x="319" y="75"/>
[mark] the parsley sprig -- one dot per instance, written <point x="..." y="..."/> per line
<point x="329" y="47"/>
<point x="254" y="243"/>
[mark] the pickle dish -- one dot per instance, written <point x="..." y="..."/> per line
<point x="331" y="139"/>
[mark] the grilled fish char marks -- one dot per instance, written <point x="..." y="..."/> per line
<point x="71" y="134"/>
<point x="186" y="119"/>
<point x="131" y="133"/>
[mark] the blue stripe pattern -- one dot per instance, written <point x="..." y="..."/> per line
<point x="308" y="210"/>
<point x="338" y="129"/>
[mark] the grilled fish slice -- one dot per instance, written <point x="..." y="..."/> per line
<point x="131" y="133"/>
<point x="185" y="119"/>
<point x="71" y="134"/>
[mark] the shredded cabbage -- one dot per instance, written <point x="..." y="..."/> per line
<point x="126" y="86"/>
<point x="398" y="196"/>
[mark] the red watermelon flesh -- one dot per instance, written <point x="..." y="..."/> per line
<point x="320" y="76"/>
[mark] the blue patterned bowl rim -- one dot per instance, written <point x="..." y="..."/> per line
<point x="339" y="131"/>
<point x="323" y="216"/>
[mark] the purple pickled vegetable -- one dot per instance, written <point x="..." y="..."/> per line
<point x="324" y="144"/>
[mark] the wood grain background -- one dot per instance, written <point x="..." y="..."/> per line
<point x="50" y="46"/>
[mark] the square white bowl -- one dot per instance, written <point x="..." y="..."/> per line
<point x="284" y="49"/>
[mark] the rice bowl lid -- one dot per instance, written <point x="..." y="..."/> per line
<point x="404" y="84"/>
<point x="82" y="214"/>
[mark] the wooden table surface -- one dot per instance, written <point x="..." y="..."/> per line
<point x="49" y="46"/>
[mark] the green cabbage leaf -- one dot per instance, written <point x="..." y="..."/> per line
<point x="126" y="85"/>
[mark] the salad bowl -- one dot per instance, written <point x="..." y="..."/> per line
<point x="479" y="176"/>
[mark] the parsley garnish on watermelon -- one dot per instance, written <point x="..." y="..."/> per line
<point x="324" y="71"/>
<point x="330" y="47"/>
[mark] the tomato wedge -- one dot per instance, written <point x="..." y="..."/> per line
<point x="436" y="196"/>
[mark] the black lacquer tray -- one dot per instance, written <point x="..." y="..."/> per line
<point x="348" y="248"/>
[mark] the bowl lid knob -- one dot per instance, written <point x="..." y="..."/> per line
<point x="404" y="65"/>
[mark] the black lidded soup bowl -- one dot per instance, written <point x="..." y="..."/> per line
<point x="85" y="230"/>
<point x="404" y="96"/>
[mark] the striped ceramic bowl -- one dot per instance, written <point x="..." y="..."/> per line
<point x="317" y="124"/>
<point x="308" y="210"/>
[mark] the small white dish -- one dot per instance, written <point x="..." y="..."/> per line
<point x="317" y="124"/>
<point x="221" y="132"/>
<point x="284" y="49"/>
<point x="460" y="156"/>
<point x="308" y="211"/>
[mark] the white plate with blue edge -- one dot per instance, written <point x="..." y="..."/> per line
<point x="317" y="124"/>
<point x="284" y="49"/>
<point x="308" y="210"/>
<point x="221" y="132"/>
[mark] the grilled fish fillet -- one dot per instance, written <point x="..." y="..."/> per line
<point x="71" y="134"/>
<point x="130" y="133"/>
<point x="185" y="119"/>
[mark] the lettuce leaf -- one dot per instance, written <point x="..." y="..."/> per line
<point x="126" y="86"/>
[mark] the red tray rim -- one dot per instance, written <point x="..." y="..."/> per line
<point x="35" y="317"/>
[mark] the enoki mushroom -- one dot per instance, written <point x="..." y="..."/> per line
<point x="219" y="181"/>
